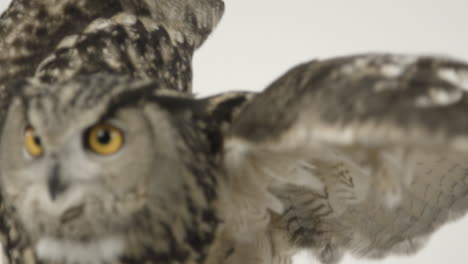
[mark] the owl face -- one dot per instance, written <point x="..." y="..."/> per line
<point x="83" y="167"/>
<point x="61" y="176"/>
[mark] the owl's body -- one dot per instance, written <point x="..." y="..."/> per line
<point x="110" y="47"/>
<point x="106" y="157"/>
<point x="63" y="197"/>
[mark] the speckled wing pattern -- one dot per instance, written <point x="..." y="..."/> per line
<point x="364" y="154"/>
<point x="57" y="39"/>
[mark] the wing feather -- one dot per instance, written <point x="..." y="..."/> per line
<point x="365" y="154"/>
<point x="358" y="100"/>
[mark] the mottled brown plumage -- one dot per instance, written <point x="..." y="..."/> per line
<point x="362" y="154"/>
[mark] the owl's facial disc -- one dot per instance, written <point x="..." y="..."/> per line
<point x="102" y="139"/>
<point x="76" y="177"/>
<point x="78" y="171"/>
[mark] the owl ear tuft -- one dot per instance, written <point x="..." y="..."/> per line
<point x="191" y="20"/>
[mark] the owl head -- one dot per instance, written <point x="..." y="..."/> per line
<point x="102" y="167"/>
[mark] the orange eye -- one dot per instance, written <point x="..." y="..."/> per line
<point x="32" y="142"/>
<point x="104" y="139"/>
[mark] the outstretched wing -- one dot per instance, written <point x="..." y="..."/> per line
<point x="365" y="154"/>
<point x="143" y="38"/>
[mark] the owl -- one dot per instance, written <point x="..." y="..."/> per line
<point x="106" y="155"/>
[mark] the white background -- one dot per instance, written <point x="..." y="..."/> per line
<point x="258" y="40"/>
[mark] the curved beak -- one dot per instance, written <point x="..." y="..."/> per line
<point x="55" y="183"/>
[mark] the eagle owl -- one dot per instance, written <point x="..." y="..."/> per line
<point x="106" y="156"/>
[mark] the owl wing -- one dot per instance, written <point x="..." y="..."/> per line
<point x="31" y="30"/>
<point x="363" y="154"/>
<point x="53" y="42"/>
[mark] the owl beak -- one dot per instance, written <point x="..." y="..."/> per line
<point x="55" y="183"/>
